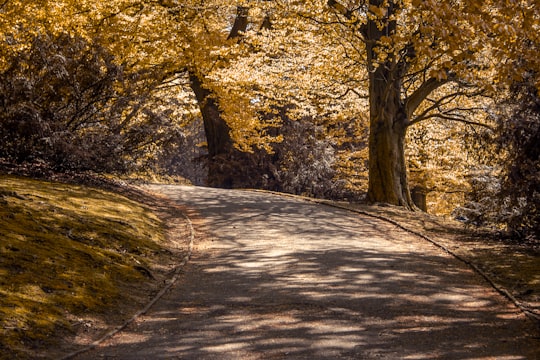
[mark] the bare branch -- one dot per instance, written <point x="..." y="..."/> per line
<point x="455" y="118"/>
<point x="348" y="91"/>
<point x="436" y="108"/>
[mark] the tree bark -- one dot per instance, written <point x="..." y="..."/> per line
<point x="217" y="132"/>
<point x="388" y="181"/>
<point x="240" y="22"/>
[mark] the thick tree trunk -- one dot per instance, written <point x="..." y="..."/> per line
<point x="215" y="128"/>
<point x="389" y="113"/>
<point x="221" y="152"/>
<point x="388" y="118"/>
<point x="219" y="142"/>
<point x="387" y="167"/>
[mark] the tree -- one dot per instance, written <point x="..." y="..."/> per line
<point x="417" y="68"/>
<point x="217" y="131"/>
<point x="209" y="39"/>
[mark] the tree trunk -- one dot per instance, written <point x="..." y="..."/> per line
<point x="388" y="118"/>
<point x="219" y="142"/>
<point x="215" y="128"/>
<point x="221" y="151"/>
<point x="387" y="167"/>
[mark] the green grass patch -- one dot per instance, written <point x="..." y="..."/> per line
<point x="65" y="250"/>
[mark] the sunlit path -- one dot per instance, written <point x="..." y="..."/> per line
<point x="283" y="279"/>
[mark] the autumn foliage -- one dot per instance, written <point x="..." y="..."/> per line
<point x="346" y="99"/>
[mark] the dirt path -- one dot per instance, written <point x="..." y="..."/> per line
<point x="278" y="278"/>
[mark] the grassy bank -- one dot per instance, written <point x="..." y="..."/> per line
<point x="66" y="251"/>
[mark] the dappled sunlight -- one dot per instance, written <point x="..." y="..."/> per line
<point x="322" y="283"/>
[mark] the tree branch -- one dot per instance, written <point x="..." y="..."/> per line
<point x="348" y="14"/>
<point x="416" y="98"/>
<point x="266" y="24"/>
<point x="347" y="92"/>
<point x="456" y="113"/>
<point x="240" y="22"/>
<point x="455" y="118"/>
<point x="340" y="8"/>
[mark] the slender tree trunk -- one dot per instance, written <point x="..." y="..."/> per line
<point x="388" y="118"/>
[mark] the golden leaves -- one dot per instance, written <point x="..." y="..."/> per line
<point x="303" y="59"/>
<point x="439" y="74"/>
<point x="378" y="12"/>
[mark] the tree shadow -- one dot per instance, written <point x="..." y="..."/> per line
<point x="288" y="279"/>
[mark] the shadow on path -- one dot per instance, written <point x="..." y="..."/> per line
<point x="284" y="279"/>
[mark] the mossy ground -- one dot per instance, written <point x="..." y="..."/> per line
<point x="65" y="250"/>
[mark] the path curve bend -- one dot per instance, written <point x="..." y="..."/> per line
<point x="281" y="278"/>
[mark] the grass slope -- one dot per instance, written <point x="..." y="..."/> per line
<point x="65" y="250"/>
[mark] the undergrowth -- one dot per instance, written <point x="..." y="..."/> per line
<point x="65" y="250"/>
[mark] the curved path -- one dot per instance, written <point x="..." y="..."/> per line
<point x="279" y="278"/>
